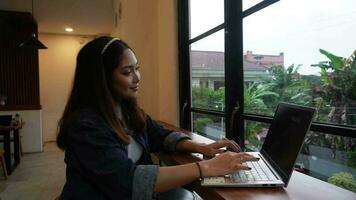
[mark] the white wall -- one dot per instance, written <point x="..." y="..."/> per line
<point x="32" y="130"/>
<point x="56" y="66"/>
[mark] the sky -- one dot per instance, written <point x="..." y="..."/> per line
<point x="297" y="28"/>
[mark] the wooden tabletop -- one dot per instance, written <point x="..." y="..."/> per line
<point x="301" y="186"/>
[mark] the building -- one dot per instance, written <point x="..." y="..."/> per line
<point x="208" y="67"/>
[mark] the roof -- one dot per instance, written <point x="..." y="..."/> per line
<point x="214" y="60"/>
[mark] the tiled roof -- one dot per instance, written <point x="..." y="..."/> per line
<point x="213" y="60"/>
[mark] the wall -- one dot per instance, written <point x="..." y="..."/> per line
<point x="150" y="27"/>
<point x="57" y="65"/>
<point x="168" y="61"/>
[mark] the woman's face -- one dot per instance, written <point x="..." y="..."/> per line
<point x="126" y="76"/>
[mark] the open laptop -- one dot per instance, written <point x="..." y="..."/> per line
<point x="278" y="154"/>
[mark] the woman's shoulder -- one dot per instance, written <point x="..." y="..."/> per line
<point x="85" y="118"/>
<point x="87" y="124"/>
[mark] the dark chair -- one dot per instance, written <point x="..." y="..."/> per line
<point x="2" y="160"/>
<point x="5" y="120"/>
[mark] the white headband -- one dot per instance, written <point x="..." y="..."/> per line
<point x="108" y="44"/>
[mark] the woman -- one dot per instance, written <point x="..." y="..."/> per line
<point x="108" y="139"/>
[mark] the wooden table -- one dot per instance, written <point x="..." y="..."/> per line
<point x="6" y="132"/>
<point x="301" y="186"/>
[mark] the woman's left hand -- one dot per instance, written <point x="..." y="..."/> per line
<point x="215" y="148"/>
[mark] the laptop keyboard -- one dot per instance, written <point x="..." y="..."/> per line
<point x="259" y="172"/>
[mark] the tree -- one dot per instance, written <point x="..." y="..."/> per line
<point x="290" y="86"/>
<point x="205" y="97"/>
<point x="338" y="86"/>
<point x="254" y="94"/>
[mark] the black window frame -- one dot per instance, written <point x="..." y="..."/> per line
<point x="234" y="101"/>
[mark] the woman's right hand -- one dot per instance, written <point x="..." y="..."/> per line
<point x="225" y="163"/>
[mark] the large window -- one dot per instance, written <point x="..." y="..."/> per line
<point x="239" y="59"/>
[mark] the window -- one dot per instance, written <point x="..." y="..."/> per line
<point x="235" y="69"/>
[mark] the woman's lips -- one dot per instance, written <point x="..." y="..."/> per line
<point x="134" y="88"/>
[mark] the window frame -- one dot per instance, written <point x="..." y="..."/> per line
<point x="234" y="102"/>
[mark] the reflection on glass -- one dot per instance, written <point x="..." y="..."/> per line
<point x="205" y="15"/>
<point x="329" y="158"/>
<point x="207" y="72"/>
<point x="255" y="134"/>
<point x="209" y="126"/>
<point x="305" y="55"/>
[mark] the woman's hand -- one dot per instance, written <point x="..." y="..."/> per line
<point x="225" y="163"/>
<point x="215" y="148"/>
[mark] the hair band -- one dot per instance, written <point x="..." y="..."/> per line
<point x="108" y="44"/>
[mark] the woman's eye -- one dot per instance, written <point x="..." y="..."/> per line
<point x="127" y="72"/>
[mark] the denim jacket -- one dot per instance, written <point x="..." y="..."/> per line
<point x="98" y="166"/>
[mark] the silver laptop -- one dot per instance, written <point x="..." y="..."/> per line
<point x="278" y="154"/>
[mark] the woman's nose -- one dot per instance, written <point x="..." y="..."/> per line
<point x="136" y="77"/>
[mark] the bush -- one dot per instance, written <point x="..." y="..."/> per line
<point x="344" y="180"/>
<point x="200" y="123"/>
<point x="351" y="158"/>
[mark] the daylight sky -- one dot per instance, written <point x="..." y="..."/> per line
<point x="298" y="28"/>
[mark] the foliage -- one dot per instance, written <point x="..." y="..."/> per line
<point x="338" y="90"/>
<point x="205" y="97"/>
<point x="351" y="159"/>
<point x="253" y="96"/>
<point x="338" y="79"/>
<point x="252" y="129"/>
<point x="200" y="123"/>
<point x="344" y="180"/>
<point x="289" y="85"/>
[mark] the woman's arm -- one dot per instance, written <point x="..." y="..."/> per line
<point x="207" y="149"/>
<point x="176" y="176"/>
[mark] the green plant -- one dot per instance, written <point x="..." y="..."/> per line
<point x="205" y="97"/>
<point x="351" y="159"/>
<point x="344" y="180"/>
<point x="200" y="123"/>
<point x="254" y="94"/>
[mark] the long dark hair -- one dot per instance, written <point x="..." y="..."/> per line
<point x="92" y="90"/>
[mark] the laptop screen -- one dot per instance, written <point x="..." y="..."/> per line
<point x="286" y="136"/>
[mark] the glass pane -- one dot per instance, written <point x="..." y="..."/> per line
<point x="207" y="72"/>
<point x="302" y="52"/>
<point x="330" y="158"/>
<point x="209" y="126"/>
<point x="205" y="15"/>
<point x="255" y="134"/>
<point x="246" y="4"/>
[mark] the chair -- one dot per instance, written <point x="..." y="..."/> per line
<point x="3" y="163"/>
<point x="5" y="120"/>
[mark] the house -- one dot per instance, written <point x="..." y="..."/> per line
<point x="208" y="67"/>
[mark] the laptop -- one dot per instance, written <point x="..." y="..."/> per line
<point x="278" y="154"/>
<point x="5" y="120"/>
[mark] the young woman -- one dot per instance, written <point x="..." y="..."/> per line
<point x="108" y="139"/>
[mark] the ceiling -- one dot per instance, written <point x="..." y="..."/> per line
<point x="86" y="17"/>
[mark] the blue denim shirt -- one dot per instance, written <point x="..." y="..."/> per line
<point x="98" y="166"/>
